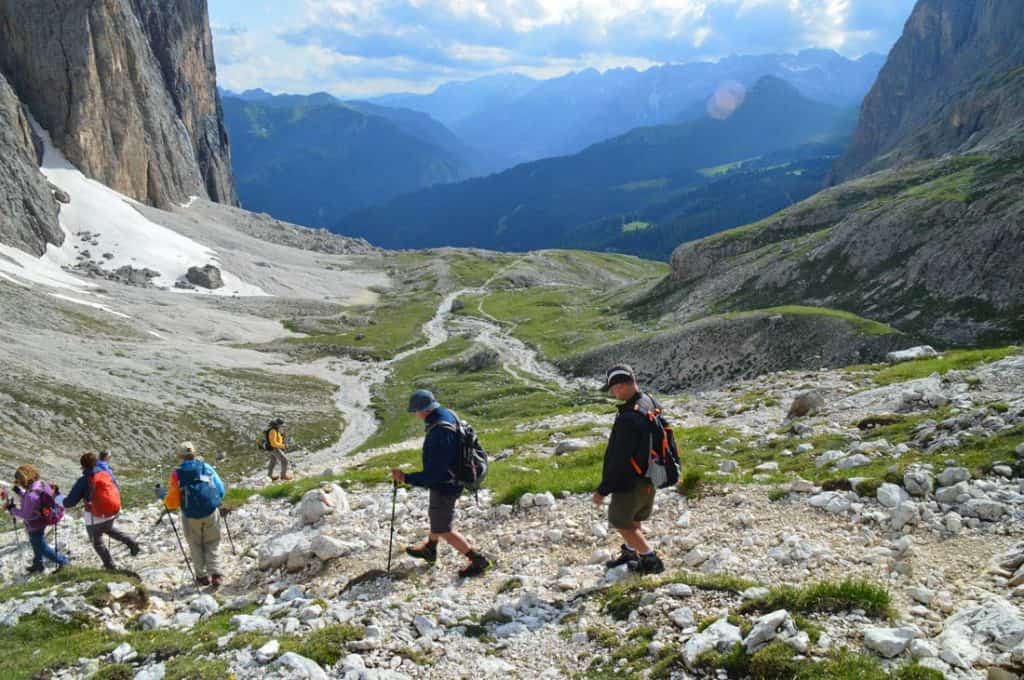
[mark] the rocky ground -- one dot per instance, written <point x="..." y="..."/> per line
<point x="933" y="552"/>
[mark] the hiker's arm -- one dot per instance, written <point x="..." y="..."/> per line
<point x="76" y="494"/>
<point x="172" y="501"/>
<point x="437" y="462"/>
<point x="29" y="506"/>
<point x="217" y="482"/>
<point x="624" y="441"/>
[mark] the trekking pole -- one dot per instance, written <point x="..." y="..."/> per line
<point x="17" y="534"/>
<point x="224" y="518"/>
<point x="391" y="537"/>
<point x="188" y="562"/>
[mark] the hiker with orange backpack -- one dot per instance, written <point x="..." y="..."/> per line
<point x="39" y="509"/>
<point x="640" y="458"/>
<point x="98" y="488"/>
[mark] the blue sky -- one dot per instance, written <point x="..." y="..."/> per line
<point x="369" y="47"/>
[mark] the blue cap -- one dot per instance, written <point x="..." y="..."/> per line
<point x="422" y="400"/>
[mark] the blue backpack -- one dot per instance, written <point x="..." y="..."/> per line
<point x="199" y="495"/>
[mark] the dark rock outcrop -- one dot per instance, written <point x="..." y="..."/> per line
<point x="712" y="352"/>
<point x="126" y="89"/>
<point x="205" y="277"/>
<point x="28" y="211"/>
<point x="947" y="86"/>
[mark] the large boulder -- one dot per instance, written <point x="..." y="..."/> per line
<point x="987" y="630"/>
<point x="888" y="642"/>
<point x="275" y="551"/>
<point x="205" y="277"/>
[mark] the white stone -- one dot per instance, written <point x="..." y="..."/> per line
<point x="330" y="548"/>
<point x="695" y="558"/>
<point x="570" y="445"/>
<point x="544" y="500"/>
<point x="952" y="494"/>
<point x="204" y="605"/>
<point x="295" y="666"/>
<point x="984" y="509"/>
<point x="727" y="467"/>
<point x="953" y="522"/>
<point x="267" y="652"/>
<point x="123" y="653"/>
<point x="770" y="466"/>
<point x="511" y="629"/>
<point x="952" y="475"/>
<point x="327" y="499"/>
<point x="829" y="457"/>
<point x="526" y="500"/>
<point x="119" y="590"/>
<point x="185" y="620"/>
<point x="152" y="621"/>
<point x="426" y="628"/>
<point x="770" y="626"/>
<point x="891" y="495"/>
<point x="888" y="642"/>
<point x="921" y="649"/>
<point x="918" y="482"/>
<point x="905" y="513"/>
<point x="830" y="501"/>
<point x="802" y="486"/>
<point x="247" y="623"/>
<point x="755" y="593"/>
<point x="720" y="635"/>
<point x="856" y="460"/>
<point x="680" y="591"/>
<point x="682" y="617"/>
<point x="921" y="594"/>
<point x="911" y="354"/>
<point x="155" y="672"/>
<point x="274" y="552"/>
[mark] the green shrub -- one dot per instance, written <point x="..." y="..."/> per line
<point x="774" y="662"/>
<point x="868" y="488"/>
<point x="327" y="645"/>
<point x="115" y="671"/>
<point x="690" y="485"/>
<point x="914" y="671"/>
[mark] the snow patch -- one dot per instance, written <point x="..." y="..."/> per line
<point x="121" y="234"/>
<point x="86" y="303"/>
<point x="17" y="265"/>
<point x="188" y="204"/>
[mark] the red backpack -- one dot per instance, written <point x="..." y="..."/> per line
<point x="104" y="496"/>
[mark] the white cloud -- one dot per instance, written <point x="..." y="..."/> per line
<point x="364" y="44"/>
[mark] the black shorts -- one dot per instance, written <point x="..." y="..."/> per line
<point x="441" y="511"/>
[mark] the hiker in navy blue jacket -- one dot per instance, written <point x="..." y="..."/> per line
<point x="98" y="488"/>
<point x="440" y="456"/>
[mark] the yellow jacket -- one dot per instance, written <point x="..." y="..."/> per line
<point x="275" y="438"/>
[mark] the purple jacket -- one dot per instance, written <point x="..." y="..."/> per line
<point x="31" y="504"/>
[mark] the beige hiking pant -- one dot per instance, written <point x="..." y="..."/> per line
<point x="203" y="537"/>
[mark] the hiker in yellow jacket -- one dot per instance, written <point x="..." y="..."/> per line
<point x="276" y="447"/>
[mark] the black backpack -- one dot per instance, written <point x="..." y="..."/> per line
<point x="662" y="464"/>
<point x="265" y="440"/>
<point x="471" y="463"/>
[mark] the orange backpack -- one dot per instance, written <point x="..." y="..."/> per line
<point x="105" y="497"/>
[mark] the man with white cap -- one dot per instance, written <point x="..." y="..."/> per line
<point x="623" y="476"/>
<point x="196" y="489"/>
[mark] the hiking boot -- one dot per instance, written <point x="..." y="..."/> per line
<point x="35" y="569"/>
<point x="626" y="555"/>
<point x="60" y="567"/>
<point x="287" y="478"/>
<point x="134" y="549"/>
<point x="274" y="478"/>
<point x="426" y="552"/>
<point x="203" y="581"/>
<point x="215" y="581"/>
<point x="647" y="564"/>
<point x="478" y="564"/>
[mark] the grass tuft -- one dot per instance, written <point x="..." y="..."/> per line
<point x="826" y="597"/>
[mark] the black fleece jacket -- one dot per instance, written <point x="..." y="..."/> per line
<point x="630" y="437"/>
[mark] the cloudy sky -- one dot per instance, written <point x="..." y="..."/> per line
<point x="368" y="47"/>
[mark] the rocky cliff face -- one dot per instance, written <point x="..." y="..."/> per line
<point x="929" y="235"/>
<point x="28" y="211"/>
<point x="948" y="86"/>
<point x="126" y="89"/>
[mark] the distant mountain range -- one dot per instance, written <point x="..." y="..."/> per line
<point x="312" y="159"/>
<point x="548" y="203"/>
<point x="523" y="120"/>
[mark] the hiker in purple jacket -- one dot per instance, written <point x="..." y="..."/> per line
<point x="32" y="490"/>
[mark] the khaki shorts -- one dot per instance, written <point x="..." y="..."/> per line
<point x="441" y="511"/>
<point x="628" y="507"/>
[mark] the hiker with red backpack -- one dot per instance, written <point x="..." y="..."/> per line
<point x="39" y="509"/>
<point x="197" y="490"/>
<point x="640" y="458"/>
<point x="98" y="488"/>
<point x="441" y="451"/>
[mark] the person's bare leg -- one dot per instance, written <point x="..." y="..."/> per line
<point x="634" y="538"/>
<point x="455" y="540"/>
